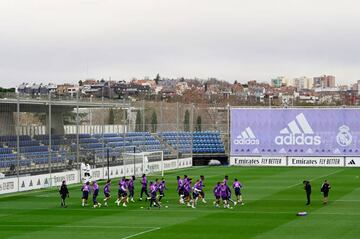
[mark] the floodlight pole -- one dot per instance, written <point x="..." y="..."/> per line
<point x="102" y="128"/>
<point x="49" y="128"/>
<point x="18" y="140"/>
<point x="229" y="133"/>
<point x="77" y="132"/>
<point x="162" y="164"/>
<point x="108" y="163"/>
<point x="134" y="160"/>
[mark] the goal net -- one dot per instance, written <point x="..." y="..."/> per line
<point x="144" y="163"/>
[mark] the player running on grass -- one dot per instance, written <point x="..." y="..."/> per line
<point x="187" y="191"/>
<point x="95" y="194"/>
<point x="85" y="193"/>
<point x="131" y="188"/>
<point x="202" y="193"/>
<point x="162" y="188"/>
<point x="122" y="193"/>
<point x="229" y="195"/>
<point x="224" y="195"/>
<point x="107" y="192"/>
<point x="196" y="193"/>
<point x="144" y="184"/>
<point x="217" y="194"/>
<point x="226" y="179"/>
<point x="237" y="187"/>
<point x="180" y="189"/>
<point x="153" y="190"/>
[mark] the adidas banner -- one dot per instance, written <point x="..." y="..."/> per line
<point x="295" y="132"/>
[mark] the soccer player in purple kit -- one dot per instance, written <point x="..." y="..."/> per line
<point x="201" y="186"/>
<point x="180" y="189"/>
<point x="196" y="193"/>
<point x="144" y="183"/>
<point x="156" y="185"/>
<point x="237" y="187"/>
<point x="229" y="195"/>
<point x="107" y="192"/>
<point x="187" y="191"/>
<point x="162" y="188"/>
<point x="226" y="179"/>
<point x="153" y="190"/>
<point x="122" y="193"/>
<point x="224" y="194"/>
<point x="85" y="193"/>
<point x="119" y="192"/>
<point x="131" y="188"/>
<point x="217" y="194"/>
<point x="185" y="179"/>
<point x="95" y="194"/>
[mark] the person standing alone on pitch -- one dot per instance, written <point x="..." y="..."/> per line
<point x="325" y="190"/>
<point x="307" y="188"/>
<point x="64" y="192"/>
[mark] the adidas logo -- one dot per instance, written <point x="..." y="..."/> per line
<point x="246" y="137"/>
<point x="352" y="162"/>
<point x="298" y="132"/>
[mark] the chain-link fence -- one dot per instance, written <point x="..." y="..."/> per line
<point x="49" y="134"/>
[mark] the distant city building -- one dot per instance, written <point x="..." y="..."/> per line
<point x="63" y="88"/>
<point x="302" y="83"/>
<point x="325" y="81"/>
<point x="287" y="81"/>
<point x="36" y="89"/>
<point x="130" y="89"/>
<point x="89" y="82"/>
<point x="280" y="81"/>
<point x="181" y="87"/>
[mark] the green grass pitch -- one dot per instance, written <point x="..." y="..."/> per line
<point x="272" y="198"/>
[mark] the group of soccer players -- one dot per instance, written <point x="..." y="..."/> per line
<point x="126" y="192"/>
<point x="86" y="189"/>
<point x="189" y="194"/>
<point x="222" y="192"/>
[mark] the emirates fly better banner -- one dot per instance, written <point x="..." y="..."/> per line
<point x="295" y="132"/>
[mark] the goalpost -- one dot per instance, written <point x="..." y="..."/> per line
<point x="144" y="163"/>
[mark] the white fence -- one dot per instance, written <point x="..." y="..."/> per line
<point x="26" y="183"/>
<point x="296" y="161"/>
<point x="71" y="129"/>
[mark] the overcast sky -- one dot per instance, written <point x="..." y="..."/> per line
<point x="68" y="40"/>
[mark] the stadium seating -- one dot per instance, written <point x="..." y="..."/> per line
<point x="5" y="151"/>
<point x="200" y="142"/>
<point x="7" y="156"/>
<point x="8" y="138"/>
<point x="34" y="150"/>
<point x="22" y="143"/>
<point x="73" y="136"/>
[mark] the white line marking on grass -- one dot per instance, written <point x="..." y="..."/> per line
<point x="140" y="233"/>
<point x="183" y="169"/>
<point x="79" y="226"/>
<point x="313" y="179"/>
<point x="205" y="210"/>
